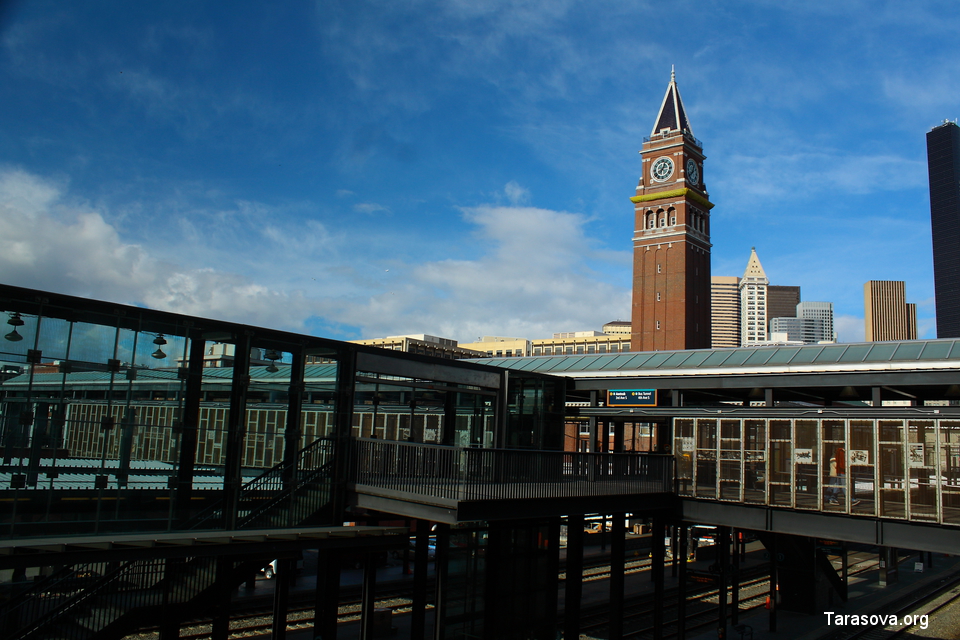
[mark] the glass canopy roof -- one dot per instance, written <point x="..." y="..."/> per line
<point x="919" y="351"/>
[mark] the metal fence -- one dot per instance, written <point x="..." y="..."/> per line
<point x="455" y="473"/>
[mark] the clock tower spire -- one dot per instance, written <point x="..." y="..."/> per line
<point x="671" y="239"/>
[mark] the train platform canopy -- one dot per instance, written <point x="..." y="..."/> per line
<point x="910" y="371"/>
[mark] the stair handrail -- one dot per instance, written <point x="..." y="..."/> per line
<point x="273" y="475"/>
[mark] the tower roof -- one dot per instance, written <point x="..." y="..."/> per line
<point x="754" y="269"/>
<point x="672" y="115"/>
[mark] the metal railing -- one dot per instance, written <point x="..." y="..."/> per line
<point x="455" y="473"/>
<point x="265" y="492"/>
<point x="132" y="585"/>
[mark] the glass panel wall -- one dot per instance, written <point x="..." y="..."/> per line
<point x="950" y="471"/>
<point x="833" y="448"/>
<point x="754" y="461"/>
<point x="731" y="460"/>
<point x="781" y="463"/>
<point x="892" y="501"/>
<point x="806" y="463"/>
<point x="861" y="462"/>
<point x="921" y="466"/>
<point x="891" y="468"/>
<point x="706" y="458"/>
<point x="684" y="450"/>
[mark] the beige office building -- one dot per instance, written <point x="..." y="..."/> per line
<point x="424" y="344"/>
<point x="575" y="342"/>
<point x="500" y="346"/>
<point x="887" y="314"/>
<point x="725" y="311"/>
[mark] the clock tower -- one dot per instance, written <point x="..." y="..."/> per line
<point x="671" y="238"/>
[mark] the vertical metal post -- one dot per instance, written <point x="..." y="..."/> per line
<point x="773" y="583"/>
<point x="723" y="561"/>
<point x="281" y="594"/>
<point x="657" y="569"/>
<point x="844" y="567"/>
<point x="367" y="597"/>
<point x="735" y="580"/>
<point x="421" y="559"/>
<point x="221" y="616"/>
<point x="236" y="432"/>
<point x="674" y="548"/>
<point x="188" y="427"/>
<point x="682" y="582"/>
<point x="617" y="561"/>
<point x="440" y="587"/>
<point x="327" y="600"/>
<point x="574" y="581"/>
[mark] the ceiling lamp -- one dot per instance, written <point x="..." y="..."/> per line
<point x="159" y="341"/>
<point x="14" y="321"/>
<point x="272" y="355"/>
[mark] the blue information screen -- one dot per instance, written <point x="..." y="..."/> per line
<point x="632" y="398"/>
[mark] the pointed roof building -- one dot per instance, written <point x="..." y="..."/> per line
<point x="754" y="268"/>
<point x="753" y="302"/>
<point x="671" y="237"/>
<point x="672" y="116"/>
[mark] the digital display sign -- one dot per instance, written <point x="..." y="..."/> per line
<point x="632" y="398"/>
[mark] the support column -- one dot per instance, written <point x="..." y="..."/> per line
<point x="723" y="562"/>
<point x="236" y="432"/>
<point x="327" y="602"/>
<point x="440" y="569"/>
<point x="618" y="428"/>
<point x="682" y="582"/>
<point x="889" y="570"/>
<point x="735" y="581"/>
<point x="187" y="428"/>
<point x="421" y="559"/>
<point x="657" y="569"/>
<point x="574" y="582"/>
<point x="772" y="597"/>
<point x="617" y="562"/>
<point x="281" y="595"/>
<point x="674" y="547"/>
<point x="844" y="567"/>
<point x="367" y="596"/>
<point x="221" y="616"/>
<point x="593" y="424"/>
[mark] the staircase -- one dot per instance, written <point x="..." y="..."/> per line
<point x="137" y="593"/>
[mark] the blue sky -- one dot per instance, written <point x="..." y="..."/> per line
<point x="362" y="168"/>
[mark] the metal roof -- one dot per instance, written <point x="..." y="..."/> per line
<point x="912" y="354"/>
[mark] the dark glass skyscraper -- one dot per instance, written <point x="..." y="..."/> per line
<point x="943" y="164"/>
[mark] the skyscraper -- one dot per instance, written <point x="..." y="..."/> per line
<point x="887" y="315"/>
<point x="753" y="302"/>
<point x="782" y="301"/>
<point x="821" y="315"/>
<point x="671" y="241"/>
<point x="943" y="166"/>
<point x="725" y="311"/>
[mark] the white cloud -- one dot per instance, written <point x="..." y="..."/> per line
<point x="370" y="208"/>
<point x="849" y="328"/>
<point x="516" y="194"/>
<point x="538" y="272"/>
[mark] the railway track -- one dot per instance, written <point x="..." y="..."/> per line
<point x="701" y="606"/>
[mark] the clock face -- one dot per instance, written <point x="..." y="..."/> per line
<point x="693" y="172"/>
<point x="662" y="169"/>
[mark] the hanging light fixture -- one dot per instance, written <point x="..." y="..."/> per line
<point x="159" y="341"/>
<point x="14" y="321"/>
<point x="272" y="356"/>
